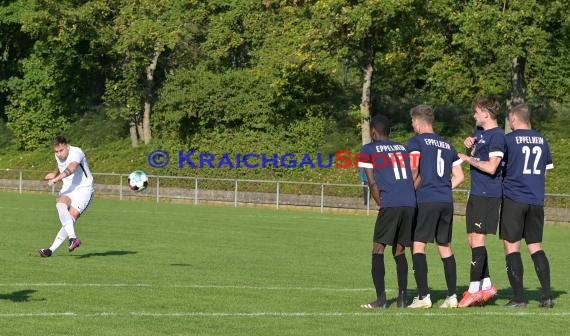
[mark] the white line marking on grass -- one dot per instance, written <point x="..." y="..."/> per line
<point x="65" y="284"/>
<point x="277" y="288"/>
<point x="275" y="314"/>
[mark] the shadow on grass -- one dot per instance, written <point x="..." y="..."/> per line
<point x="19" y="296"/>
<point x="531" y="296"/>
<point x="182" y="265"/>
<point x="105" y="254"/>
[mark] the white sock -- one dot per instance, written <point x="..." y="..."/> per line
<point x="486" y="284"/>
<point x="66" y="219"/>
<point x="59" y="239"/>
<point x="474" y="287"/>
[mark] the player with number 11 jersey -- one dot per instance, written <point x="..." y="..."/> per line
<point x="391" y="164"/>
<point x="389" y="177"/>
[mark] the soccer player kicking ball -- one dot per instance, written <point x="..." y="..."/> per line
<point x="390" y="180"/>
<point x="75" y="195"/>
<point x="438" y="172"/>
<point x="527" y="160"/>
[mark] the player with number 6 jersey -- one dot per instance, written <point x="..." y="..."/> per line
<point x="439" y="171"/>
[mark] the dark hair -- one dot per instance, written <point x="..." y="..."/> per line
<point x="522" y="111"/>
<point x="423" y="112"/>
<point x="491" y="105"/>
<point x="381" y="125"/>
<point x="59" y="140"/>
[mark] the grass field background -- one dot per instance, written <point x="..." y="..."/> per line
<point x="150" y="268"/>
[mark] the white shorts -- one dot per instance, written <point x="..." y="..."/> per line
<point x="80" y="198"/>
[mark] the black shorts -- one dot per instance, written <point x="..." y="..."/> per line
<point x="434" y="222"/>
<point x="394" y="226"/>
<point x="483" y="214"/>
<point x="519" y="220"/>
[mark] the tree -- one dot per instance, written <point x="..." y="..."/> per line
<point x="14" y="46"/>
<point x="502" y="48"/>
<point x="251" y="77"/>
<point x="56" y="80"/>
<point x="145" y="30"/>
<point x="357" y="32"/>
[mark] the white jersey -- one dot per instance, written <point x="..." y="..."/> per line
<point x="82" y="177"/>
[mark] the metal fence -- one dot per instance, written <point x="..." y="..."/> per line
<point x="322" y="197"/>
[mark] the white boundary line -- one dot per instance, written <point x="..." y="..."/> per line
<point x="468" y="312"/>
<point x="142" y="285"/>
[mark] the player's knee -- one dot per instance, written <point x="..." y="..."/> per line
<point x="378" y="248"/>
<point x="418" y="247"/>
<point x="445" y="252"/>
<point x="534" y="247"/>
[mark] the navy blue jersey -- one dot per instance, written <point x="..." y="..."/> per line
<point x="437" y="157"/>
<point x="527" y="159"/>
<point x="391" y="164"/>
<point x="489" y="143"/>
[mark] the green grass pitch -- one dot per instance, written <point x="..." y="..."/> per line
<point x="150" y="268"/>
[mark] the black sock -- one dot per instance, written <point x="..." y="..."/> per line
<point x="421" y="273"/>
<point x="486" y="265"/>
<point x="378" y="272"/>
<point x="402" y="272"/>
<point x="450" y="271"/>
<point x="477" y="263"/>
<point x="515" y="272"/>
<point x="542" y="268"/>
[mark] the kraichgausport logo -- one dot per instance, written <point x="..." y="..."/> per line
<point x="341" y="159"/>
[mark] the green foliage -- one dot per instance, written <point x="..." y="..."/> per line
<point x="143" y="30"/>
<point x="200" y="99"/>
<point x="470" y="46"/>
<point x="7" y="143"/>
<point x="35" y="113"/>
<point x="58" y="76"/>
<point x="95" y="130"/>
<point x="267" y="76"/>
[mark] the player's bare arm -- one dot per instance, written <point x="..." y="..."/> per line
<point x="52" y="174"/>
<point x="372" y="185"/>
<point x="60" y="176"/>
<point x="469" y="142"/>
<point x="489" y="167"/>
<point x="457" y="176"/>
<point x="416" y="177"/>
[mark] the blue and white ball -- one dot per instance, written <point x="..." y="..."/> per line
<point x="138" y="180"/>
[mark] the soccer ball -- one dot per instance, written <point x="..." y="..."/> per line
<point x="138" y="180"/>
